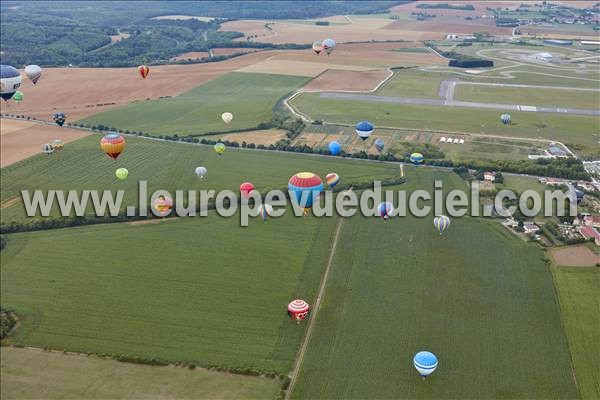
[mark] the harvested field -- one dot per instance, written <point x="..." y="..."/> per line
<point x="192" y="54"/>
<point x="225" y="51"/>
<point x="25" y="139"/>
<point x="295" y="68"/>
<point x="334" y="79"/>
<point x="81" y="92"/>
<point x="184" y="17"/>
<point x="265" y="137"/>
<point x="575" y="256"/>
<point x="443" y="26"/>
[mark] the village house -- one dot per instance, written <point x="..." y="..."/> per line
<point x="489" y="176"/>
<point x="530" y="228"/>
<point x="589" y="232"/>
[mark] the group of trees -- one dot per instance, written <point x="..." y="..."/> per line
<point x="465" y="7"/>
<point x="461" y="60"/>
<point x="7" y="322"/>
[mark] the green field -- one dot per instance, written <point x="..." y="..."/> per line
<point x="412" y="82"/>
<point x="528" y="96"/>
<point x="166" y="165"/>
<point x="578" y="292"/>
<point x="249" y="97"/>
<point x="571" y="129"/>
<point x="36" y="374"/>
<point x="478" y="297"/>
<point x="201" y="290"/>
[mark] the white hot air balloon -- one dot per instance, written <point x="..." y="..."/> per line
<point x="33" y="72"/>
<point x="201" y="172"/>
<point x="10" y="80"/>
<point x="227" y="117"/>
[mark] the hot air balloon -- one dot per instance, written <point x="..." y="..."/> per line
<point x="201" y="172"/>
<point x="441" y="223"/>
<point x="59" y="118"/>
<point x="328" y="45"/>
<point x="227" y="117"/>
<point x="122" y="173"/>
<point x="364" y="129"/>
<point x="379" y="144"/>
<point x="47" y="148"/>
<point x="220" y="148"/>
<point x="335" y="148"/>
<point x="425" y="363"/>
<point x="17" y="96"/>
<point x="245" y="189"/>
<point x="10" y="80"/>
<point x="113" y="144"/>
<point x="163" y="205"/>
<point x="385" y="209"/>
<point x="298" y="310"/>
<point x="307" y="185"/>
<point x="416" y="158"/>
<point x="144" y="71"/>
<point x="265" y="211"/>
<point x="505" y="118"/>
<point x="332" y="179"/>
<point x="58" y="145"/>
<point x="317" y="47"/>
<point x="33" y="72"/>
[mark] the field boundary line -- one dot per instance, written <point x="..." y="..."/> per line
<point x="314" y="313"/>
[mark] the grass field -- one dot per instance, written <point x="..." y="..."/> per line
<point x="36" y="374"/>
<point x="412" y="83"/>
<point x="479" y="298"/>
<point x="528" y="96"/>
<point x="249" y="97"/>
<point x="165" y="165"/>
<point x="578" y="292"/>
<point x="197" y="290"/>
<point x="571" y="129"/>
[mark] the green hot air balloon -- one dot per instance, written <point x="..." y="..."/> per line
<point x="122" y="173"/>
<point x="18" y="96"/>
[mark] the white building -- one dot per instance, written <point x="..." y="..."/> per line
<point x="456" y="141"/>
<point x="443" y="139"/>
<point x="461" y="141"/>
<point x="543" y="56"/>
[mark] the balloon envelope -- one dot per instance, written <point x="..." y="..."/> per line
<point x="122" y="173"/>
<point x="201" y="171"/>
<point x="246" y="188"/>
<point x="317" y="46"/>
<point x="113" y="145"/>
<point x="441" y="223"/>
<point x="10" y="80"/>
<point x="220" y="148"/>
<point x="425" y="363"/>
<point x="364" y="129"/>
<point x="385" y="209"/>
<point x="17" y="96"/>
<point x="416" y="158"/>
<point x="379" y="144"/>
<point x="332" y="179"/>
<point x="58" y="145"/>
<point x="163" y="205"/>
<point x="33" y="72"/>
<point x="59" y="118"/>
<point x="144" y="71"/>
<point x="265" y="211"/>
<point x="335" y="148"/>
<point x="505" y="118"/>
<point x="305" y="188"/>
<point x="227" y="117"/>
<point x="47" y="148"/>
<point x="328" y="45"/>
<point x="298" y="309"/>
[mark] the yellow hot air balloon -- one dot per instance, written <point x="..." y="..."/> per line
<point x="113" y="144"/>
<point x="220" y="148"/>
<point x="227" y="117"/>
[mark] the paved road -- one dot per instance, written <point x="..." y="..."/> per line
<point x="454" y="103"/>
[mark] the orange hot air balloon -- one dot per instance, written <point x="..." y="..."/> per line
<point x="113" y="145"/>
<point x="144" y="71"/>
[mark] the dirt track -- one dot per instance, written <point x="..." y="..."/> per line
<point x="24" y="139"/>
<point x="575" y="256"/>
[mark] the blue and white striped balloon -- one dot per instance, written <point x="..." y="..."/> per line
<point x="441" y="223"/>
<point x="364" y="129"/>
<point x="425" y="363"/>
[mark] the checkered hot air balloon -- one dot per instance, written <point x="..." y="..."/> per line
<point x="298" y="310"/>
<point x="332" y="179"/>
<point x="441" y="223"/>
<point x="113" y="145"/>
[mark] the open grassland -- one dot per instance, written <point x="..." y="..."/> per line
<point x="529" y="96"/>
<point x="571" y="129"/>
<point x="249" y="97"/>
<point x="578" y="292"/>
<point x="412" y="82"/>
<point x="479" y="298"/>
<point x="200" y="290"/>
<point x="36" y="374"/>
<point x="168" y="166"/>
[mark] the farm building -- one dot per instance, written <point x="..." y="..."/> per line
<point x="587" y="220"/>
<point x="589" y="232"/>
<point x="544" y="56"/>
<point x="530" y="228"/>
<point x="461" y="141"/>
<point x="558" y="42"/>
<point x="449" y="140"/>
<point x="456" y="141"/>
<point x="557" y="151"/>
<point x="489" y="176"/>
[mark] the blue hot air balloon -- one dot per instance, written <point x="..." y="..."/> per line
<point x="505" y="118"/>
<point x="335" y="148"/>
<point x="441" y="223"/>
<point x="364" y="129"/>
<point x="385" y="209"/>
<point x="307" y="185"/>
<point x="379" y="144"/>
<point x="425" y="363"/>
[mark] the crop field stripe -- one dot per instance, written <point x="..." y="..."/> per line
<point x="314" y="313"/>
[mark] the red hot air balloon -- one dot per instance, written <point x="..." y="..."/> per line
<point x="144" y="71"/>
<point x="298" y="310"/>
<point x="246" y="188"/>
